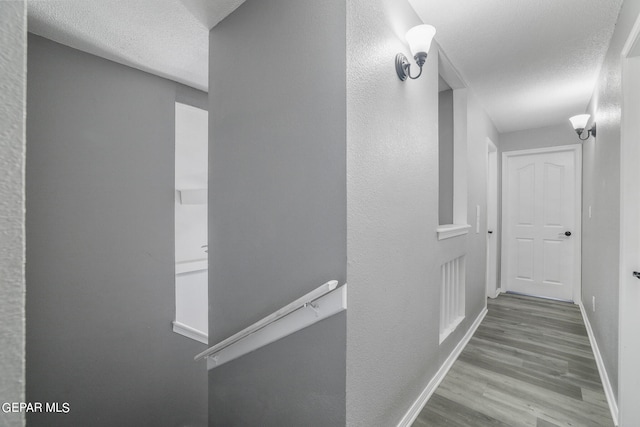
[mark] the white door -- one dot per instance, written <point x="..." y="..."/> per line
<point x="492" y="219"/>
<point x="541" y="222"/>
<point x="629" y="338"/>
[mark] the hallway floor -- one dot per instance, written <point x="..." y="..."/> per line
<point x="529" y="363"/>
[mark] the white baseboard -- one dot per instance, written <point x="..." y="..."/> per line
<point x="192" y="266"/>
<point x="498" y="292"/>
<point x="189" y="332"/>
<point x="604" y="377"/>
<point x="421" y="401"/>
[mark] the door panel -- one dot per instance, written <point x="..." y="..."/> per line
<point x="553" y="266"/>
<point x="524" y="250"/>
<point x="552" y="205"/>
<point x="539" y="206"/>
<point x="525" y="188"/>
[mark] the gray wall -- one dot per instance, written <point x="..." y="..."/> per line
<point x="601" y="177"/>
<point x="392" y="216"/>
<point x="393" y="348"/>
<point x="100" y="267"/>
<point x="550" y="136"/>
<point x="277" y="218"/>
<point x="445" y="155"/>
<point x="13" y="43"/>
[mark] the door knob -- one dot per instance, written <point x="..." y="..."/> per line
<point x="636" y="274"/>
<point x="490" y="231"/>
<point x="567" y="233"/>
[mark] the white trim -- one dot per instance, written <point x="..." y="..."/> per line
<point x="554" y="149"/>
<point x="629" y="291"/>
<point x="193" y="197"/>
<point x="577" y="273"/>
<point x="449" y="73"/>
<point x="452" y="230"/>
<point x="306" y="315"/>
<point x="634" y="36"/>
<point x="492" y="148"/>
<point x="460" y="155"/>
<point x="192" y="266"/>
<point x="452" y="295"/>
<point x="422" y="400"/>
<point x="189" y="332"/>
<point x="604" y="377"/>
<point x="460" y="124"/>
<point x="445" y="334"/>
<point x="498" y="292"/>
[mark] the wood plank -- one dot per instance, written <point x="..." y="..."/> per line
<point x="529" y="364"/>
<point x="543" y="423"/>
<point x="447" y="411"/>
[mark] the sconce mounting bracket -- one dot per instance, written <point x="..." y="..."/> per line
<point x="402" y="66"/>
<point x="590" y="132"/>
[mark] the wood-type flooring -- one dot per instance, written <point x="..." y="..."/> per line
<point x="529" y="363"/>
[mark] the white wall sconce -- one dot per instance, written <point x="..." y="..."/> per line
<point x="579" y="122"/>
<point x="419" y="39"/>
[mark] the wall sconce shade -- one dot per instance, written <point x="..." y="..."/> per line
<point x="579" y="123"/>
<point x="419" y="39"/>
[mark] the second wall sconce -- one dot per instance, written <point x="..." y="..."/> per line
<point x="419" y="39"/>
<point x="579" y="122"/>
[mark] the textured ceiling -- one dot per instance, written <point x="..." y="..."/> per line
<point x="531" y="63"/>
<point x="169" y="38"/>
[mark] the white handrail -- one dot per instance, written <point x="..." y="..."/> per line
<point x="287" y="309"/>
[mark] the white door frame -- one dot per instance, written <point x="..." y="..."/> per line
<point x="576" y="149"/>
<point x="629" y="287"/>
<point x="492" y="287"/>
